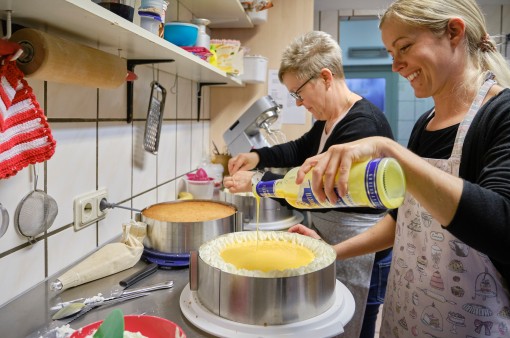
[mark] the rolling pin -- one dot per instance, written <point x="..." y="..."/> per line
<point x="54" y="59"/>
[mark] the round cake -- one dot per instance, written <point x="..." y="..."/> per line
<point x="188" y="211"/>
<point x="267" y="254"/>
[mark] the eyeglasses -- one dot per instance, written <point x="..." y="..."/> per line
<point x="295" y="94"/>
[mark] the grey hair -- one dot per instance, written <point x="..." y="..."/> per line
<point x="309" y="53"/>
<point x="435" y="15"/>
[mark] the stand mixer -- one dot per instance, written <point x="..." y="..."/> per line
<point x="245" y="134"/>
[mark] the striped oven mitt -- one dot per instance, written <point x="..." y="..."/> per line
<point x="25" y="136"/>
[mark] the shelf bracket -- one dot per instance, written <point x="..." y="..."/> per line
<point x="131" y="67"/>
<point x="199" y="95"/>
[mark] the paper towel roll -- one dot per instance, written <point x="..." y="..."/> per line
<point x="51" y="59"/>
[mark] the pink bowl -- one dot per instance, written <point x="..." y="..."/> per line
<point x="149" y="326"/>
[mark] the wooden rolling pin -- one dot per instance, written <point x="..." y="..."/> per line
<point x="53" y="59"/>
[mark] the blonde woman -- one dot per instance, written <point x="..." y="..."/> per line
<point x="450" y="270"/>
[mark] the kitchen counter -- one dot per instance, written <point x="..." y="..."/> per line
<point x="30" y="316"/>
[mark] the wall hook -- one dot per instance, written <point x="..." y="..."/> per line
<point x="8" y="24"/>
<point x="199" y="94"/>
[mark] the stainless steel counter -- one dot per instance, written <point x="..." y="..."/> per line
<point x="30" y="316"/>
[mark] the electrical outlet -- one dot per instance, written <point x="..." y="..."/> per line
<point x="86" y="208"/>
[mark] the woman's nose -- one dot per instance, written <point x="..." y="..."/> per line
<point x="299" y="102"/>
<point x="397" y="65"/>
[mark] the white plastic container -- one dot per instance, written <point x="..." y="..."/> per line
<point x="200" y="189"/>
<point x="255" y="69"/>
<point x="150" y="22"/>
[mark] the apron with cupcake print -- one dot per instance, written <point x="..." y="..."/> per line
<point x="439" y="286"/>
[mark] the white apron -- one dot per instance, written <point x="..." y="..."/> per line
<point x="438" y="286"/>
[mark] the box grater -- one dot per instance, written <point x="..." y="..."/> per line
<point x="154" y="118"/>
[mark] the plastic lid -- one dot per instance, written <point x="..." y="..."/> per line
<point x="153" y="15"/>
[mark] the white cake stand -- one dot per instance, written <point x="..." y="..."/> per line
<point x="328" y="324"/>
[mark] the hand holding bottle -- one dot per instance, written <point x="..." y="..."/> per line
<point x="330" y="170"/>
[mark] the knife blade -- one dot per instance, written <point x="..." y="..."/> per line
<point x="106" y="303"/>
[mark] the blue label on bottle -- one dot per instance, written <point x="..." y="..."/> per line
<point x="308" y="198"/>
<point x="371" y="183"/>
<point x="266" y="189"/>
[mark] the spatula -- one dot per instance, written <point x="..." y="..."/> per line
<point x="112" y="326"/>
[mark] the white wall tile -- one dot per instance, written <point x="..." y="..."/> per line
<point x="145" y="164"/>
<point x="142" y="90"/>
<point x="72" y="169"/>
<point x="69" y="246"/>
<point x="404" y="131"/>
<point x="423" y="105"/>
<point x="405" y="91"/>
<point x="145" y="200"/>
<point x="113" y="102"/>
<point x="169" y="82"/>
<point x="12" y="191"/>
<point x="183" y="154"/>
<point x="167" y="192"/>
<point x="184" y="97"/>
<point x="110" y="228"/>
<point x="199" y="151"/>
<point x="38" y="90"/>
<point x="20" y="271"/>
<point x="406" y="110"/>
<point x="167" y="151"/>
<point x="115" y="159"/>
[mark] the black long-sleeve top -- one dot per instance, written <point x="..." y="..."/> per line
<point x="482" y="219"/>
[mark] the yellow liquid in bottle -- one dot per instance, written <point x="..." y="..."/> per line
<point x="267" y="255"/>
<point x="381" y="186"/>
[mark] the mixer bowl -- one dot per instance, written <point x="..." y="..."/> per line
<point x="272" y="215"/>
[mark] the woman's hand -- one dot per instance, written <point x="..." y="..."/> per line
<point x="243" y="161"/>
<point x="331" y="169"/>
<point x="303" y="230"/>
<point x="239" y="182"/>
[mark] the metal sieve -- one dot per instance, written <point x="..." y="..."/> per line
<point x="4" y="220"/>
<point x="35" y="213"/>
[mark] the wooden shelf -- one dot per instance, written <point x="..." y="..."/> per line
<point x="83" y="20"/>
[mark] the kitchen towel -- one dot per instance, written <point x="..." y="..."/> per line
<point x="25" y="136"/>
<point x="54" y="59"/>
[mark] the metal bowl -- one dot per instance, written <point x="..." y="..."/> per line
<point x="270" y="211"/>
<point x="262" y="301"/>
<point x="183" y="237"/>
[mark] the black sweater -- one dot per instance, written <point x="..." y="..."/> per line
<point x="482" y="219"/>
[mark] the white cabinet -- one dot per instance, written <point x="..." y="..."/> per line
<point x="86" y="21"/>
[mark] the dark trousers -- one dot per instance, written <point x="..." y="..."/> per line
<point x="376" y="293"/>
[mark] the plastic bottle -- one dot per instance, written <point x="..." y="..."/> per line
<point x="377" y="183"/>
<point x="203" y="39"/>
